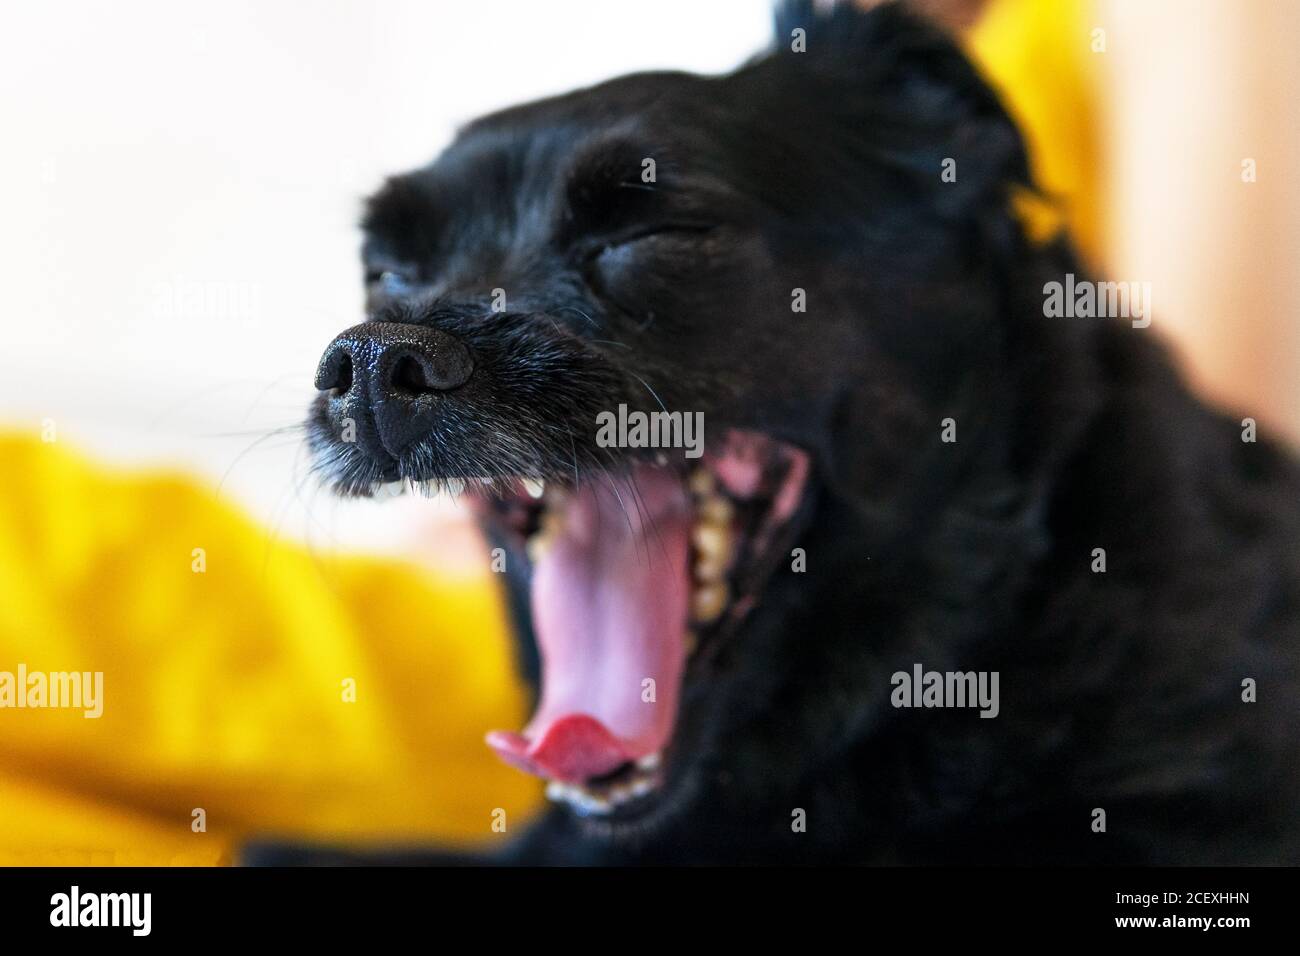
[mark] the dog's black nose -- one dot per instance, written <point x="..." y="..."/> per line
<point x="386" y="372"/>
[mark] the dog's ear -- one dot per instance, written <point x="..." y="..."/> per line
<point x="912" y="97"/>
<point x="920" y="146"/>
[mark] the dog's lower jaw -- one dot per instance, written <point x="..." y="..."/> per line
<point x="613" y="562"/>
<point x="720" y="802"/>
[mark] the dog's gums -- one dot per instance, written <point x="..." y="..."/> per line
<point x="636" y="573"/>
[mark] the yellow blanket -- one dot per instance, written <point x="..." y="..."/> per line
<point x="269" y="688"/>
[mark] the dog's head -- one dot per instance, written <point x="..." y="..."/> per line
<point x="659" y="326"/>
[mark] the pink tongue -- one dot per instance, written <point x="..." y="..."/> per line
<point x="609" y="608"/>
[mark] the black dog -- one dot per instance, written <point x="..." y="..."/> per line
<point x="907" y="467"/>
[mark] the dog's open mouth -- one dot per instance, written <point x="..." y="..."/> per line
<point x="636" y="574"/>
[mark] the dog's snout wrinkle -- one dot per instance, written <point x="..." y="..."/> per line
<point x="381" y="375"/>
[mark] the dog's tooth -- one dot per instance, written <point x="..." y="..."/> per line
<point x="650" y="761"/>
<point x="712" y="551"/>
<point x="642" y="786"/>
<point x="556" y="791"/>
<point x="540" y="541"/>
<point x="713" y="542"/>
<point x="701" y="482"/>
<point x="587" y="801"/>
<point x="708" y="601"/>
<point x="709" y="569"/>
<point x="535" y="487"/>
<point x="716" y="509"/>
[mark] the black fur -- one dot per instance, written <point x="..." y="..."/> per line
<point x="820" y="170"/>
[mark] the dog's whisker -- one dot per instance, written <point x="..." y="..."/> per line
<point x="261" y="395"/>
<point x="277" y="430"/>
<point x="574" y="308"/>
<point x="650" y="390"/>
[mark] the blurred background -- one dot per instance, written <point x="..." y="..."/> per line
<point x="179" y="188"/>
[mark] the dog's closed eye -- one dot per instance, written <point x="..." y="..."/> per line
<point x="625" y="212"/>
<point x="658" y="234"/>
<point x="630" y="271"/>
